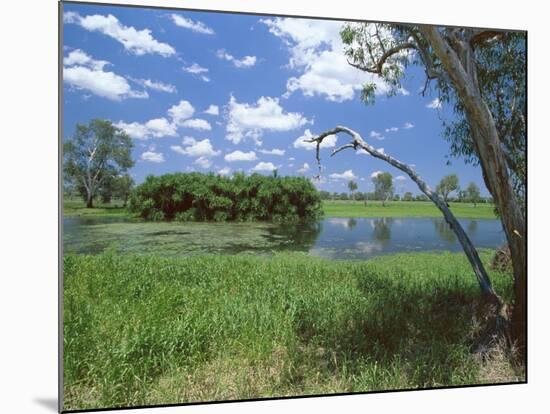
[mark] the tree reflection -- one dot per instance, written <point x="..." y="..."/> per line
<point x="444" y="230"/>
<point x="472" y="227"/>
<point x="382" y="229"/>
<point x="351" y="223"/>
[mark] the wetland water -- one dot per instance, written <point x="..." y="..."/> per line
<point x="336" y="238"/>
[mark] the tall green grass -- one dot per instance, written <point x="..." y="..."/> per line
<point x="148" y="330"/>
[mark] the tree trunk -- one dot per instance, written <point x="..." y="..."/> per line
<point x="89" y="201"/>
<point x="461" y="68"/>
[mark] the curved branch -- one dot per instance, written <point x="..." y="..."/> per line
<point x="469" y="249"/>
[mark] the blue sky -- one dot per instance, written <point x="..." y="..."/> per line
<point x="217" y="92"/>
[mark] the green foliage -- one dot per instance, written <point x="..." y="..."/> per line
<point x="408" y="196"/>
<point x="383" y="186"/>
<point x="447" y="185"/>
<point x="500" y="62"/>
<point x="352" y="186"/>
<point x="472" y="193"/>
<point x="95" y="157"/>
<point x="141" y="330"/>
<point x="209" y="197"/>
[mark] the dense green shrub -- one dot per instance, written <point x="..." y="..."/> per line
<point x="210" y="197"/>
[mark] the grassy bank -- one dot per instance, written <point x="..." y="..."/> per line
<point x="77" y="207"/>
<point x="336" y="208"/>
<point x="147" y="330"/>
<point x="340" y="208"/>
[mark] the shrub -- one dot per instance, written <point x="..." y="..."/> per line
<point x="210" y="197"/>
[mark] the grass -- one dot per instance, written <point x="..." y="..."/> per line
<point x="77" y="207"/>
<point x="142" y="330"/>
<point x="331" y="208"/>
<point x="341" y="208"/>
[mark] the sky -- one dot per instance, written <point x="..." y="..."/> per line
<point x="220" y="92"/>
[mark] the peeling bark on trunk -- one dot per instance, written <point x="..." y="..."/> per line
<point x="459" y="63"/>
<point x="469" y="249"/>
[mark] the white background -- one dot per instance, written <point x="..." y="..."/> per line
<point x="28" y="205"/>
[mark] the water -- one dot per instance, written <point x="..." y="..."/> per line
<point x="336" y="238"/>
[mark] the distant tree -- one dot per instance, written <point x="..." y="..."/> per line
<point x="344" y="196"/>
<point x="123" y="187"/>
<point x="352" y="185"/>
<point x="408" y="196"/>
<point x="473" y="193"/>
<point x="383" y="186"/>
<point x="422" y="197"/>
<point x="325" y="195"/>
<point x="447" y="185"/>
<point x="96" y="153"/>
<point x="461" y="195"/>
<point x="396" y="197"/>
<point x="275" y="173"/>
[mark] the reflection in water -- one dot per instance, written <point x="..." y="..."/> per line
<point x="338" y="238"/>
<point x="382" y="229"/>
<point x="472" y="226"/>
<point x="444" y="230"/>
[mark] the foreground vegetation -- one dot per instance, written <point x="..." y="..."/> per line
<point x="339" y="208"/>
<point x="149" y="330"/>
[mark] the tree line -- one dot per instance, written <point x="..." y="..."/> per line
<point x="448" y="188"/>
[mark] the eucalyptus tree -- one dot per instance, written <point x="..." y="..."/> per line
<point x="447" y="185"/>
<point x="352" y="186"/>
<point x="383" y="186"/>
<point x="472" y="193"/>
<point x="97" y="154"/>
<point x="481" y="74"/>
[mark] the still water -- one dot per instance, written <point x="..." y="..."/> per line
<point x="337" y="238"/>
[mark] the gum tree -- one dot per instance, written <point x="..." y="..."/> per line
<point x="481" y="74"/>
<point x="447" y="185"/>
<point x="95" y="156"/>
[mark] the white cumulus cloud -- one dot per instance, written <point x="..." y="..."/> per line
<point x="240" y="156"/>
<point x="317" y="53"/>
<point x="376" y="135"/>
<point x="274" y="151"/>
<point x="182" y="111"/>
<point x="197" y="123"/>
<point x="151" y="156"/>
<point x="213" y="110"/>
<point x="81" y="71"/>
<point x="346" y="175"/>
<point x="304" y="169"/>
<point x="195" y="26"/>
<point x="376" y="173"/>
<point x="245" y="62"/>
<point x="138" y="42"/>
<point x="156" y="86"/>
<point x="264" y="166"/>
<point x="408" y="125"/>
<point x="248" y="121"/>
<point x="194" y="148"/>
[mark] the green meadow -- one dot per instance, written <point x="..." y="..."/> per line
<point x="346" y="208"/>
<point x="151" y="330"/>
